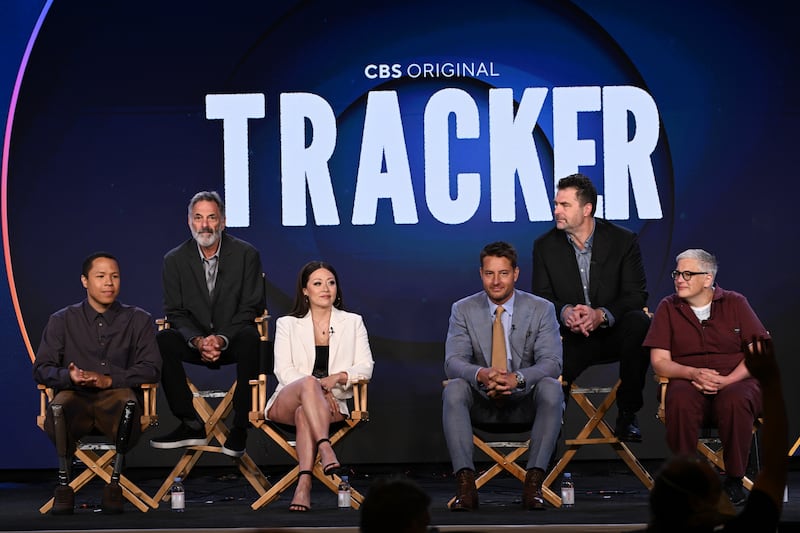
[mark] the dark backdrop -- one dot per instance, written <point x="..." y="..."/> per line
<point x="107" y="139"/>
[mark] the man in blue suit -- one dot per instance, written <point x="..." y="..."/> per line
<point x="502" y="360"/>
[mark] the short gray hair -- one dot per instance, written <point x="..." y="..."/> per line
<point x="707" y="260"/>
<point x="208" y="196"/>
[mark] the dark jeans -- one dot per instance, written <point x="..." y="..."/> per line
<point x="243" y="350"/>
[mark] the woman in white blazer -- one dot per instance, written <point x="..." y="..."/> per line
<point x="320" y="350"/>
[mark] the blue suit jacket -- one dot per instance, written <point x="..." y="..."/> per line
<point x="534" y="338"/>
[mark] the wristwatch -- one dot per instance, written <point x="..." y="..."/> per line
<point x="520" y="380"/>
<point x="604" y="316"/>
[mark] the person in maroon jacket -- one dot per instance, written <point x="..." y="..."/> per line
<point x="696" y="341"/>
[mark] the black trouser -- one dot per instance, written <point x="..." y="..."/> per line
<point x="243" y="350"/>
<point x="622" y="343"/>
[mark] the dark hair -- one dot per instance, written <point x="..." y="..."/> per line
<point x="392" y="505"/>
<point x="585" y="192"/>
<point x="500" y="249"/>
<point x="208" y="196"/>
<point x="87" y="263"/>
<point x="301" y="307"/>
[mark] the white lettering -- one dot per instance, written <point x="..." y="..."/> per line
<point x="623" y="156"/>
<point x="437" y="156"/>
<point x="570" y="152"/>
<point x="234" y="110"/>
<point x="307" y="165"/>
<point x="383" y="141"/>
<point x="512" y="152"/>
<point x="308" y="137"/>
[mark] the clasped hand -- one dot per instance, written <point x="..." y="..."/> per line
<point x="707" y="380"/>
<point x="497" y="382"/>
<point x="210" y="347"/>
<point x="88" y="378"/>
<point x="582" y="319"/>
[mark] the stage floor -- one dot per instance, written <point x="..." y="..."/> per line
<point x="608" y="498"/>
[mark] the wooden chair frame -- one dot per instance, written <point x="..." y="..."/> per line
<point x="216" y="429"/>
<point x="99" y="457"/>
<point x="358" y="415"/>
<point x="587" y="435"/>
<point x="709" y="447"/>
<point x="505" y="461"/>
<point x="794" y="447"/>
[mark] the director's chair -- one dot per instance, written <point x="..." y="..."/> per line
<point x="281" y="435"/>
<point x="216" y="429"/>
<point x="98" y="456"/>
<point x="597" y="431"/>
<point x="514" y="440"/>
<point x="708" y="444"/>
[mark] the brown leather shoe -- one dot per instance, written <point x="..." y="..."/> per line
<point x="63" y="500"/>
<point x="532" y="498"/>
<point x="466" y="492"/>
<point x="112" y="498"/>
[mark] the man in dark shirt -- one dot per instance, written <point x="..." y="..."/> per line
<point x="93" y="354"/>
<point x="213" y="292"/>
<point x="593" y="273"/>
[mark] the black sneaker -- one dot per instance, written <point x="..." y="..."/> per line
<point x="235" y="443"/>
<point x="180" y="438"/>
<point x="735" y="490"/>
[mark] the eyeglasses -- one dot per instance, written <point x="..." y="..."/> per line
<point x="686" y="274"/>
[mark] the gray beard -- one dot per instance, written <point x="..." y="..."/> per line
<point x="206" y="239"/>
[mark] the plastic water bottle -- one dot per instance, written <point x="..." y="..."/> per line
<point x="177" y="496"/>
<point x="344" y="493"/>
<point x="567" y="490"/>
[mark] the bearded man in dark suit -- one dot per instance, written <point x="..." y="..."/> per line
<point x="213" y="291"/>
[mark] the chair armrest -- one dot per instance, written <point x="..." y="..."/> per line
<point x="262" y="323"/>
<point x="360" y="411"/>
<point x="149" y="416"/>
<point x="662" y="394"/>
<point x="45" y="395"/>
<point x="258" y="399"/>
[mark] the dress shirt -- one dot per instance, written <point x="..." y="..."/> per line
<point x="120" y="343"/>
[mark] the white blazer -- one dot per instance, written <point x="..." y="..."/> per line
<point x="295" y="352"/>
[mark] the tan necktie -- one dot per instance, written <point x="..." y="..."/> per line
<point x="499" y="360"/>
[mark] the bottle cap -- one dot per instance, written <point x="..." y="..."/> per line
<point x="567" y="475"/>
<point x="178" y="479"/>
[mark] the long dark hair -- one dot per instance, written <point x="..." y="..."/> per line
<point x="301" y="307"/>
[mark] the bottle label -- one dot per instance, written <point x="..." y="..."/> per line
<point x="568" y="496"/>
<point x="344" y="499"/>
<point x="178" y="501"/>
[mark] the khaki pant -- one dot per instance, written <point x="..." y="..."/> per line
<point x="92" y="412"/>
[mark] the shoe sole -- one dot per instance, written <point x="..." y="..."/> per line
<point x="232" y="453"/>
<point x="177" y="444"/>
